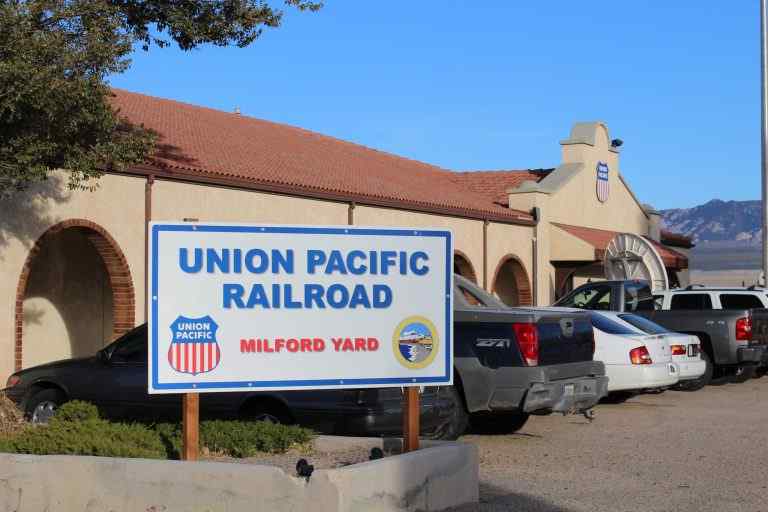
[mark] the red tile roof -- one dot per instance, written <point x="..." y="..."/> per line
<point x="599" y="239"/>
<point x="200" y="143"/>
<point x="676" y="239"/>
<point x="494" y="184"/>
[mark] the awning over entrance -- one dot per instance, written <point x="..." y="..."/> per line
<point x="577" y="243"/>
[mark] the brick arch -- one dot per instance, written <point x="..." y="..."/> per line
<point x="511" y="264"/>
<point x="120" y="280"/>
<point x="462" y="265"/>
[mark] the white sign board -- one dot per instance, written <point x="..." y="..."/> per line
<point x="251" y="307"/>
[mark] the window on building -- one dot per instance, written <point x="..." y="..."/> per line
<point x="695" y="301"/>
<point x="739" y="301"/>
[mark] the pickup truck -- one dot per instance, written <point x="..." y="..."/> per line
<point x="509" y="363"/>
<point x="725" y="332"/>
<point x="513" y="362"/>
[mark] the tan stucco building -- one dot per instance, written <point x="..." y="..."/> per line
<point x="74" y="262"/>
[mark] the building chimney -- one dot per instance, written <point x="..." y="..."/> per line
<point x="654" y="222"/>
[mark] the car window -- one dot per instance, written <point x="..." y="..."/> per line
<point x="739" y="301"/>
<point x="638" y="297"/>
<point x="131" y="349"/>
<point x="609" y="326"/>
<point x="695" y="301"/>
<point x="597" y="297"/>
<point x="471" y="298"/>
<point x="644" y="324"/>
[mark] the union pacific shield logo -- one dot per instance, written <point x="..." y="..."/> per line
<point x="194" y="348"/>
<point x="602" y="182"/>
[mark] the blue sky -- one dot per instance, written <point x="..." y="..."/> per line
<point x="496" y="84"/>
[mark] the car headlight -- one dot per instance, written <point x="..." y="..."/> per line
<point x="12" y="381"/>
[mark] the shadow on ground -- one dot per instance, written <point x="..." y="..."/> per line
<point x="496" y="499"/>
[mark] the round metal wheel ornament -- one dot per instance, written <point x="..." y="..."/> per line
<point x="632" y="257"/>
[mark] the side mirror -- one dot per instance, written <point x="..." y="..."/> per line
<point x="102" y="355"/>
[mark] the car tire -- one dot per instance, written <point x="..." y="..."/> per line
<point x="267" y="411"/>
<point x="705" y="379"/>
<point x="499" y="422"/>
<point x="456" y="422"/>
<point x="42" y="405"/>
<point x="744" y="373"/>
<point x="618" y="397"/>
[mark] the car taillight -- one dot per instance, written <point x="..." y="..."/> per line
<point x="678" y="350"/>
<point x="12" y="381"/>
<point x="528" y="340"/>
<point x="744" y="329"/>
<point x="640" y="355"/>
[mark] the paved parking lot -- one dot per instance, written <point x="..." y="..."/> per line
<point x="674" y="451"/>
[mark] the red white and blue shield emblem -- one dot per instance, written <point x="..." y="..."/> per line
<point x="602" y="182"/>
<point x="194" y="348"/>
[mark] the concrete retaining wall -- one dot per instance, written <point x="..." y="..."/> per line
<point x="434" y="478"/>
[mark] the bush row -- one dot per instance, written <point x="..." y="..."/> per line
<point x="77" y="429"/>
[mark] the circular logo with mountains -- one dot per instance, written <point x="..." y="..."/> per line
<point x="415" y="342"/>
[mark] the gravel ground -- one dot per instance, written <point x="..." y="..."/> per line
<point x="319" y="459"/>
<point x="678" y="451"/>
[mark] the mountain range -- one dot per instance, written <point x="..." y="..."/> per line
<point x="717" y="222"/>
<point x="727" y="234"/>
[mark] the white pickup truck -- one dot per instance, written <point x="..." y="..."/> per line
<point x="722" y="318"/>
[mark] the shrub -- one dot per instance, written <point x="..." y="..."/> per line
<point x="77" y="410"/>
<point x="90" y="437"/>
<point x="76" y="429"/>
<point x="248" y="438"/>
<point x="11" y="418"/>
<point x="237" y="439"/>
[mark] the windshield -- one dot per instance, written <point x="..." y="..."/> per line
<point x="596" y="297"/>
<point x="610" y="326"/>
<point x="644" y="324"/>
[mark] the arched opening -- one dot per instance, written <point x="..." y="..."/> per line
<point x="463" y="267"/>
<point x="75" y="294"/>
<point x="511" y="284"/>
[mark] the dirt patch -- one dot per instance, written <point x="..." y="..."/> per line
<point x="319" y="459"/>
<point x="11" y="418"/>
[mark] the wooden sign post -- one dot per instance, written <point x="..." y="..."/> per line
<point x="190" y="425"/>
<point x="411" y="427"/>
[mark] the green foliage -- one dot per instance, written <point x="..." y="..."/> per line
<point x="248" y="438"/>
<point x="238" y="439"/>
<point x="77" y="410"/>
<point x="89" y="437"/>
<point x="76" y="429"/>
<point x="55" y="57"/>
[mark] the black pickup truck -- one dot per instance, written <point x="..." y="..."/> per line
<point x="727" y="343"/>
<point x="509" y="363"/>
<point x="513" y="362"/>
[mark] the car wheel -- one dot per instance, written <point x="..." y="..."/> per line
<point x="42" y="405"/>
<point x="499" y="422"/>
<point x="456" y="422"/>
<point x="706" y="378"/>
<point x="267" y="412"/>
<point x="618" y="397"/>
<point x="744" y="373"/>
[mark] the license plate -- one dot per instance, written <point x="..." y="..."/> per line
<point x="569" y="389"/>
